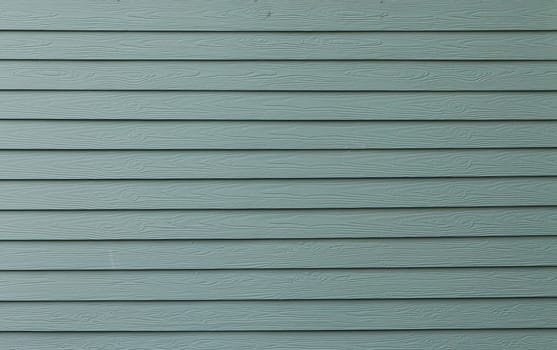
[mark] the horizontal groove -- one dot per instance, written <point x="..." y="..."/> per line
<point x="318" y="331"/>
<point x="297" y="209"/>
<point x="264" y="149"/>
<point x="347" y="301"/>
<point x="279" y="90"/>
<point x="305" y="239"/>
<point x="345" y="179"/>
<point x="276" y="60"/>
<point x="261" y="300"/>
<point x="59" y="179"/>
<point x="277" y="120"/>
<point x="271" y="150"/>
<point x="120" y="240"/>
<point x="307" y="269"/>
<point x="469" y="330"/>
<point x="281" y="209"/>
<point x="284" y="31"/>
<point x="421" y="60"/>
<point x="306" y="122"/>
<point x="314" y="92"/>
<point x="310" y="121"/>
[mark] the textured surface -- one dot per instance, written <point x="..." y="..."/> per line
<point x="283" y="45"/>
<point x="278" y="175"/>
<point x="279" y="75"/>
<point x="279" y="315"/>
<point x="167" y="285"/>
<point x="272" y="105"/>
<point x="231" y="164"/>
<point x="71" y="134"/>
<point x="286" y="224"/>
<point x="338" y="340"/>
<point x="277" y="194"/>
<point x="267" y="15"/>
<point x="269" y="254"/>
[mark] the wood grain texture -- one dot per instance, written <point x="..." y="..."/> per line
<point x="279" y="75"/>
<point x="277" y="284"/>
<point x="279" y="15"/>
<point x="266" y="105"/>
<point x="270" y="254"/>
<point x="275" y="164"/>
<point x="277" y="194"/>
<point x="340" y="340"/>
<point x="266" y="224"/>
<point x="279" y="315"/>
<point x="279" y="46"/>
<point x="234" y="174"/>
<point x="143" y="135"/>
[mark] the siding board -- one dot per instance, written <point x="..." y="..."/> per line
<point x="339" y="340"/>
<point x="311" y="135"/>
<point x="43" y="164"/>
<point x="189" y="174"/>
<point x="279" y="75"/>
<point x="277" y="194"/>
<point x="344" y="284"/>
<point x="270" y="254"/>
<point x="267" y="105"/>
<point x="279" y="15"/>
<point x="279" y="315"/>
<point x="283" y="224"/>
<point x="278" y="46"/>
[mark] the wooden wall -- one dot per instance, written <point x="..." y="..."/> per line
<point x="285" y="175"/>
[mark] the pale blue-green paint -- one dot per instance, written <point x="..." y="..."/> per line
<point x="309" y="168"/>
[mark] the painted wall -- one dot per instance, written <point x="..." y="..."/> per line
<point x="293" y="175"/>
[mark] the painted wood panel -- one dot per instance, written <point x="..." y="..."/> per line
<point x="416" y="284"/>
<point x="141" y="135"/>
<point x="306" y="340"/>
<point x="286" y="224"/>
<point x="279" y="75"/>
<point x="327" y="315"/>
<point x="268" y="105"/>
<point x="279" y="15"/>
<point x="278" y="46"/>
<point x="277" y="194"/>
<point x="278" y="174"/>
<point x="271" y="254"/>
<point x="41" y="164"/>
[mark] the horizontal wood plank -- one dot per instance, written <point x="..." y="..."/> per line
<point x="144" y="135"/>
<point x="340" y="340"/>
<point x="279" y="75"/>
<point x="275" y="164"/>
<point x="270" y="254"/>
<point x="273" y="157"/>
<point x="267" y="105"/>
<point x="267" y="224"/>
<point x="277" y="194"/>
<point x="277" y="284"/>
<point x="279" y="315"/>
<point x="278" y="15"/>
<point x="278" y="46"/>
